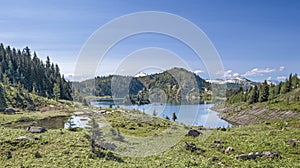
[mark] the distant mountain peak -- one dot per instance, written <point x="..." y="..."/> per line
<point x="236" y="79"/>
<point x="140" y="74"/>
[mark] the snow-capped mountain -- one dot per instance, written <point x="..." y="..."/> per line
<point x="140" y="74"/>
<point x="234" y="80"/>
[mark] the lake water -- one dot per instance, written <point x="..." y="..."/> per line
<point x="196" y="114"/>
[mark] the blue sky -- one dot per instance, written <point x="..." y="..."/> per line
<point x="255" y="39"/>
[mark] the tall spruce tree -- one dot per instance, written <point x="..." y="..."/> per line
<point x="264" y="92"/>
<point x="253" y="95"/>
<point x="3" y="104"/>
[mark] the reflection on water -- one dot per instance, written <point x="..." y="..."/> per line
<point x="195" y="114"/>
<point x="51" y="123"/>
<point x="79" y="121"/>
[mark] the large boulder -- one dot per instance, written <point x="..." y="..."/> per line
<point x="193" y="133"/>
<point x="35" y="129"/>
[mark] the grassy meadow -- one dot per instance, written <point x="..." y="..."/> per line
<point x="64" y="148"/>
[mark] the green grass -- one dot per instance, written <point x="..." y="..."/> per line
<point x="62" y="148"/>
<point x="136" y="123"/>
<point x="29" y="116"/>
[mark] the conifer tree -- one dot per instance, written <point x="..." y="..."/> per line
<point x="2" y="99"/>
<point x="264" y="92"/>
<point x="253" y="95"/>
<point x="21" y="67"/>
<point x="174" y="117"/>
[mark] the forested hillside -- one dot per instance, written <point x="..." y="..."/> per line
<point x="179" y="85"/>
<point x="176" y="85"/>
<point x="266" y="102"/>
<point x="24" y="71"/>
<point x="268" y="92"/>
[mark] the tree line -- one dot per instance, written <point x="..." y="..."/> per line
<point x="25" y="69"/>
<point x="265" y="92"/>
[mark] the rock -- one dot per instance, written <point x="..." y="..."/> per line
<point x="31" y="108"/>
<point x="218" y="141"/>
<point x="259" y="154"/>
<point x="9" y="111"/>
<point x="216" y="146"/>
<point x="84" y="119"/>
<point x="222" y="129"/>
<point x="78" y="113"/>
<point x="34" y="129"/>
<point x="267" y="123"/>
<point x="294" y="142"/>
<point x="229" y="149"/>
<point x="192" y="147"/>
<point x="24" y="138"/>
<point x="254" y="155"/>
<point x="242" y="156"/>
<point x="221" y="164"/>
<point x="106" y="146"/>
<point x="193" y="133"/>
<point x="201" y="128"/>
<point x="214" y="159"/>
<point x="271" y="154"/>
<point x="102" y="112"/>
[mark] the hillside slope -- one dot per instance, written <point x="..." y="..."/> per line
<point x="17" y="97"/>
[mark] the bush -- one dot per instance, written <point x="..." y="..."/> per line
<point x="8" y="154"/>
<point x="37" y="154"/>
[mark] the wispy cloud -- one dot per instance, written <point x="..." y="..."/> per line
<point x="198" y="71"/>
<point x="230" y="74"/>
<point x="282" y="68"/>
<point x="259" y="72"/>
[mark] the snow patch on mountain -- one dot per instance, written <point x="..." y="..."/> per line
<point x="236" y="80"/>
